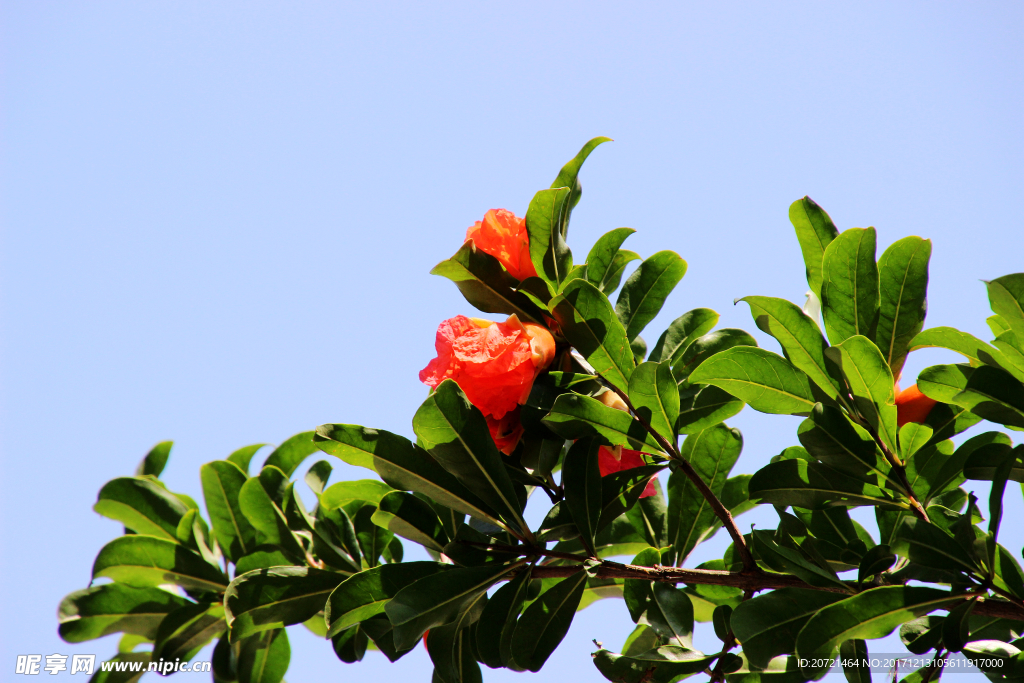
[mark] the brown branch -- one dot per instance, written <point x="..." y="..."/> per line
<point x="743" y="580"/>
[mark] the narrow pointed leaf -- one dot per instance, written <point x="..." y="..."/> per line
<point x="581" y="479"/>
<point x="569" y="175"/>
<point x="815" y="231"/>
<point x="588" y="322"/>
<point x="409" y="517"/>
<point x="498" y="620"/>
<point x="222" y="481"/>
<point x="705" y="406"/>
<point x="264" y="657"/>
<point x="995" y="395"/>
<point x="655" y="397"/>
<point x="267" y="518"/>
<point x="812" y="485"/>
<point x="670" y="614"/>
<point x="872" y="385"/>
<point x="1006" y="295"/>
<point x="141" y="505"/>
<point x="113" y="608"/>
<point x="681" y="332"/>
<point x="546" y="621"/>
<point x="277" y="597"/>
<point x="646" y="289"/>
<point x="903" y="286"/>
<point x="187" y="629"/>
<point x="486" y="284"/>
<point x="767" y="382"/>
<point x="546" y="220"/>
<point x="149" y="561"/>
<point x="290" y="454"/>
<point x="363" y="595"/>
<point x="849" y="287"/>
<point x="706" y="346"/>
<point x="574" y="416"/>
<point x="602" y="255"/>
<point x="154" y="462"/>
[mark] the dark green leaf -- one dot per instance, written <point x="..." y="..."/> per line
<point x="343" y="493"/>
<point x="155" y="461"/>
<point x="264" y="657"/>
<point x="222" y="481"/>
<point x="588" y="322"/>
<point x="142" y="505"/>
<point x="546" y="221"/>
<point x="872" y="385"/>
<point x="1006" y="295"/>
<point x="546" y="621"/>
<point x="670" y="614"/>
<point x="455" y="432"/>
<point x="373" y="539"/>
<point x="876" y="560"/>
<point x="486" y="284"/>
<point x="262" y="557"/>
<point x="849" y="287"/>
<point x="903" y="286"/>
<point x="813" y="485"/>
<point x="637" y="592"/>
<point x="187" y="629"/>
<point x="602" y="255"/>
<point x="705" y="346"/>
<point x="956" y="628"/>
<point x="701" y="407"/>
<point x="451" y="648"/>
<point x="437" y="599"/>
<point x="856" y="665"/>
<point x="498" y="620"/>
<point x="995" y="395"/>
<point x="661" y="665"/>
<point x="923" y="634"/>
<point x="815" y="231"/>
<point x="581" y="479"/>
<point x="243" y="456"/>
<point x="127" y="674"/>
<point x="409" y="517"/>
<point x="929" y="546"/>
<point x="143" y="561"/>
<point x="267" y="518"/>
<point x="277" y="597"/>
<point x="363" y="595"/>
<point x="767" y="382"/>
<point x="799" y="336"/>
<point x="984" y="461"/>
<point x="318" y="475"/>
<point x="402" y="464"/>
<point x="622" y="258"/>
<point x="712" y="454"/>
<point x="350" y="646"/>
<point x="875" y="613"/>
<point x="646" y="289"/>
<point x="112" y="608"/>
<point x="574" y="417"/>
<point x="943" y="382"/>
<point x="681" y="333"/>
<point x="290" y="454"/>
<point x="568" y="176"/>
<point x="830" y="437"/>
<point x="655" y="397"/>
<point x="955" y="340"/>
<point x="768" y="624"/>
<point x="639" y="348"/>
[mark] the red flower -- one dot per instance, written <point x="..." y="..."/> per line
<point x="494" y="363"/>
<point x="506" y="431"/>
<point x="912" y="405"/>
<point x="503" y="235"/>
<point x="610" y="460"/>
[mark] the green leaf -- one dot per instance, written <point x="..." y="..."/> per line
<point x="455" y="432"/>
<point x="812" y="485"/>
<point x="875" y="561"/>
<point x="344" y="492"/>
<point x="602" y="255"/>
<point x="187" y="629"/>
<point x="903" y="286"/>
<point x="799" y="337"/>
<point x="350" y="646"/>
<point x="126" y="675"/>
<point x="681" y="333"/>
<point x="373" y="540"/>
<point x="874" y="613"/>
<point x="849" y="287"/>
<point x="661" y="665"/>
<point x="955" y="340"/>
<point x="856" y="665"/>
<point x="409" y="517"/>
<point x="622" y="258"/>
<point x="943" y="382"/>
<point x="707" y="345"/>
<point x="243" y="456"/>
<point x="546" y="621"/>
<point x="574" y="417"/>
<point x="831" y="438"/>
<point x="486" y="284"/>
<point x="588" y="323"/>
<point x="639" y="348"/>
<point x="451" y="647"/>
<point x="983" y="462"/>
<point x="995" y="395"/>
<point x="1006" y="295"/>
<point x="956" y="627"/>
<point x="655" y="397"/>
<point x="290" y="454"/>
<point x="317" y="476"/>
<point x="155" y="461"/>
<point x="547" y="219"/>
<point x="262" y="557"/>
<point x="142" y="505"/>
<point x="581" y="479"/>
<point x="872" y="385"/>
<point x="712" y="454"/>
<point x="928" y="545"/>
<point x="143" y="561"/>
<point x="498" y="620"/>
<point x="437" y="599"/>
<point x="264" y="657"/>
<point x="222" y="481"/>
<point x="276" y="597"/>
<point x="670" y="614"/>
<point x="112" y="608"/>
<point x="794" y="558"/>
<point x="363" y="595"/>
<point x="568" y="176"/>
<point x="646" y="289"/>
<point x="267" y="518"/>
<point x="815" y="231"/>
<point x="402" y="464"/>
<point x="637" y="592"/>
<point x="701" y="407"/>
<point x="767" y="382"/>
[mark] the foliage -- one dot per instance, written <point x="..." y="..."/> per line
<point x="595" y="420"/>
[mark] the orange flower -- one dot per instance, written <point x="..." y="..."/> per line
<point x="506" y="431"/>
<point x="503" y="235"/>
<point x="912" y="405"/>
<point x="611" y="460"/>
<point x="494" y="363"/>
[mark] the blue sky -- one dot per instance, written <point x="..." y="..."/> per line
<point x="218" y="218"/>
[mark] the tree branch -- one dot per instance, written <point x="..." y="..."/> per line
<point x="743" y="580"/>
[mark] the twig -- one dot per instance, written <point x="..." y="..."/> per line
<point x="897" y="466"/>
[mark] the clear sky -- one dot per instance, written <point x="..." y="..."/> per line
<point x="218" y="218"/>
